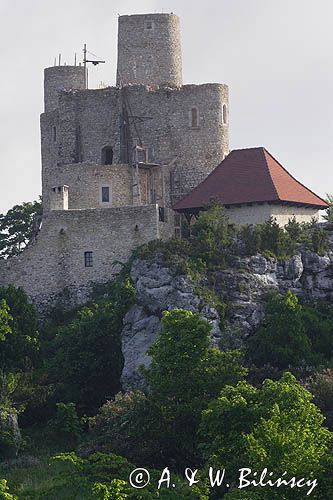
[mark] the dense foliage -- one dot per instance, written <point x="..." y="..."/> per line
<point x="275" y="427"/>
<point x="292" y="335"/>
<point x="18" y="226"/>
<point x="20" y="349"/>
<point x="200" y="407"/>
<point x="83" y="359"/>
<point x="272" y="240"/>
<point x="329" y="212"/>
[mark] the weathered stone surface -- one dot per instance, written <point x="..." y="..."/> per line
<point x="243" y="287"/>
<point x="139" y="332"/>
<point x="158" y="289"/>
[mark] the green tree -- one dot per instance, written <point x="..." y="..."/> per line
<point x="5" y="319"/>
<point x="211" y="236"/>
<point x="281" y="339"/>
<point x="19" y="350"/>
<point x="321" y="386"/>
<point x="106" y="476"/>
<point x="66" y="424"/>
<point x="275" y="427"/>
<point x="18" y="226"/>
<point x="4" y="491"/>
<point x="184" y="375"/>
<point x="85" y="359"/>
<point x="329" y="211"/>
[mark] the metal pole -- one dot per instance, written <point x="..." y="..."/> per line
<point x="85" y="66"/>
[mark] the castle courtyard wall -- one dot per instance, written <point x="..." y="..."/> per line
<point x="55" y="261"/>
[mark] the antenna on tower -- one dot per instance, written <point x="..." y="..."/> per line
<point x="95" y="62"/>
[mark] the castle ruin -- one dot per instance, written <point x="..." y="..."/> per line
<point x="115" y="160"/>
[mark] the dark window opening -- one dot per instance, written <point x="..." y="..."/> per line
<point x="88" y="259"/>
<point x="54" y="134"/>
<point x="105" y="194"/>
<point x="107" y="155"/>
<point x="149" y="25"/>
<point x="161" y="214"/>
<point x="224" y="114"/>
<point x="194" y="118"/>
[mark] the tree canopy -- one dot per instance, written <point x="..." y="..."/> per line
<point x="18" y="226"/>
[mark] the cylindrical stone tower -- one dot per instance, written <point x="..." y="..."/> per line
<point x="149" y="50"/>
<point x="60" y="78"/>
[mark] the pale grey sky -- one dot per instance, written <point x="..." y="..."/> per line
<point x="276" y="56"/>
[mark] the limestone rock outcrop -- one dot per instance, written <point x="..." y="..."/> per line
<point x="242" y="286"/>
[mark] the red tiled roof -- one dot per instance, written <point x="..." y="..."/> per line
<point x="249" y="176"/>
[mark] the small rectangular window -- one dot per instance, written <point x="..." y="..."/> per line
<point x="54" y="134"/>
<point x="149" y="25"/>
<point x="88" y="259"/>
<point x="105" y="194"/>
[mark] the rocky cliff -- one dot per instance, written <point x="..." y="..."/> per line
<point x="242" y="286"/>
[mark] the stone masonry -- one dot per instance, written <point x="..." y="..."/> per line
<point x="115" y="159"/>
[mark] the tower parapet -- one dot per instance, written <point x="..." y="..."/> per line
<point x="149" y="50"/>
<point x="58" y="78"/>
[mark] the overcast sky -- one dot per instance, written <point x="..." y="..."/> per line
<point x="276" y="56"/>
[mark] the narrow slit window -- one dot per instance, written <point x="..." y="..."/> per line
<point x="88" y="259"/>
<point x="224" y="114"/>
<point x="105" y="194"/>
<point x="54" y="134"/>
<point x="194" y="118"/>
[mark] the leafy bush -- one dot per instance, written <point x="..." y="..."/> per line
<point x="4" y="491"/>
<point x="85" y="358"/>
<point x="66" y="424"/>
<point x="269" y="238"/>
<point x="329" y="211"/>
<point x="20" y="349"/>
<point x="106" y="476"/>
<point x="276" y="426"/>
<point x="292" y="335"/>
<point x="5" y="319"/>
<point x="321" y="386"/>
<point x="122" y="426"/>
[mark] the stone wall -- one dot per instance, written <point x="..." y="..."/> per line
<point x="258" y="214"/>
<point x="58" y="78"/>
<point x="149" y="50"/>
<point x="87" y="121"/>
<point x="55" y="262"/>
<point x="85" y="182"/>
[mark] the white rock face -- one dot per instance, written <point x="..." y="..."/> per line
<point x="243" y="287"/>
<point x="158" y="289"/>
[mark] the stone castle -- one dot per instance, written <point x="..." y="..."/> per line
<point x="116" y="160"/>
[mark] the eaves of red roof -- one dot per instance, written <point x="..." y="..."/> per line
<point x="250" y="176"/>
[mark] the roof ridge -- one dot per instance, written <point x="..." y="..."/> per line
<point x="294" y="178"/>
<point x="264" y="151"/>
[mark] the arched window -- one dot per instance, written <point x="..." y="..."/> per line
<point x="224" y="114"/>
<point x="107" y="155"/>
<point x="194" y="118"/>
